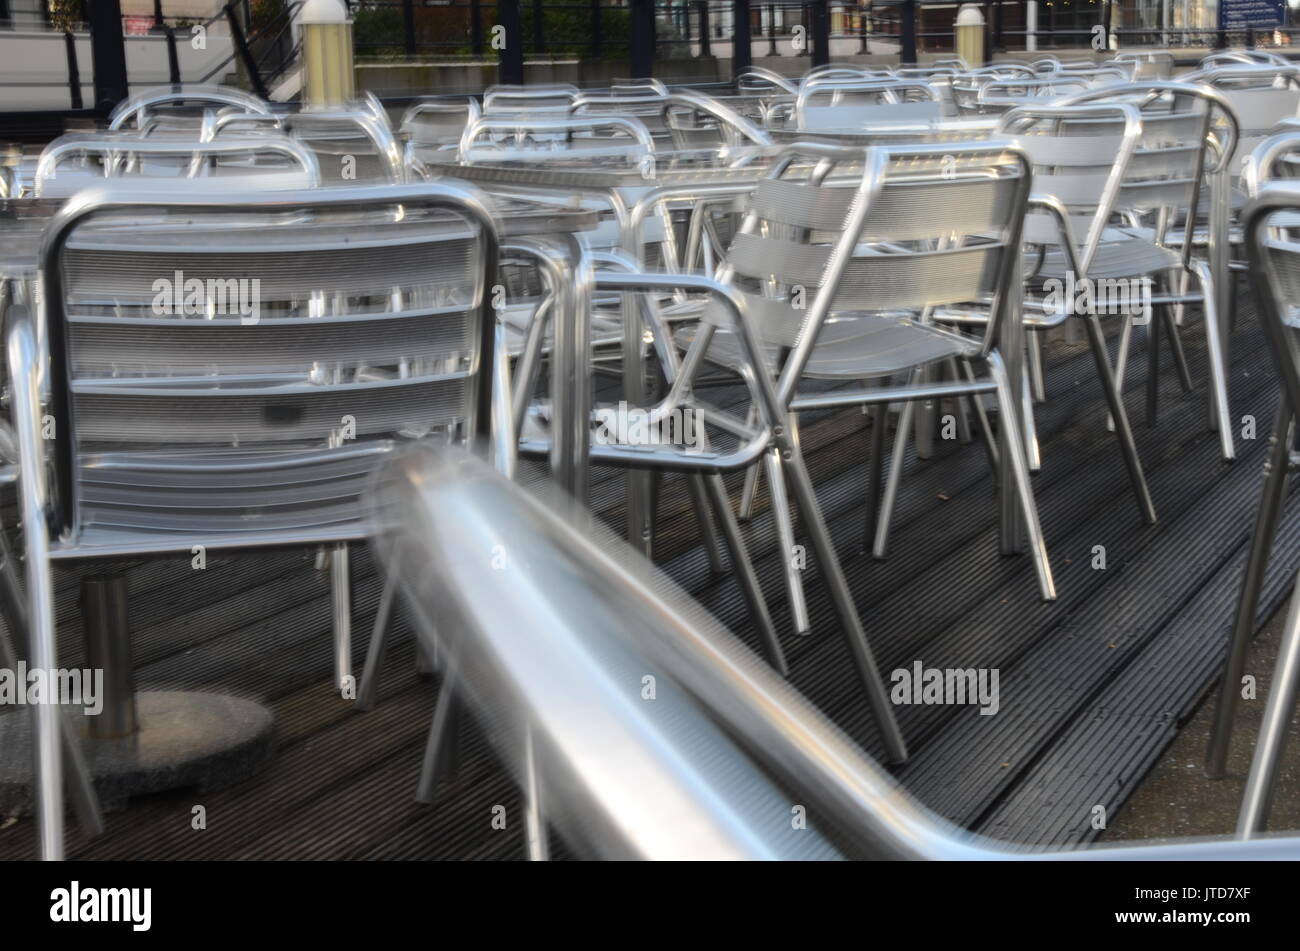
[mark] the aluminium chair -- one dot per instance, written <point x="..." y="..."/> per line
<point x="1187" y="131"/>
<point x="920" y="227"/>
<point x="373" y="325"/>
<point x="1273" y="245"/>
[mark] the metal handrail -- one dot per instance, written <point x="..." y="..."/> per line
<point x="563" y="670"/>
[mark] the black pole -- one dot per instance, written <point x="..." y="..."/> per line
<point x="241" y="47"/>
<point x="907" y="41"/>
<point x="539" y="28"/>
<point x="408" y="26"/>
<point x="597" y="31"/>
<point x="510" y="72"/>
<point x="643" y="38"/>
<point x="742" y="56"/>
<point x="108" y="54"/>
<point x="173" y="62"/>
<point x="74" y="74"/>
<point x="997" y="26"/>
<point x="862" y="27"/>
<point x="703" y="7"/>
<point x="821" y="32"/>
<point x="476" y="27"/>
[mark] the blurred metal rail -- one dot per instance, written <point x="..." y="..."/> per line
<point x="655" y="733"/>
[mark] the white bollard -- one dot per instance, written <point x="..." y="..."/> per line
<point x="329" y="79"/>
<point x="970" y="34"/>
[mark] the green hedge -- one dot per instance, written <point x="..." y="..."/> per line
<point x="380" y="32"/>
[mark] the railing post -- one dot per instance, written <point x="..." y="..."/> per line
<point x="511" y="68"/>
<point x="702" y="7"/>
<point x="539" y="29"/>
<point x="408" y="25"/>
<point x="821" y="32"/>
<point x="862" y="27"/>
<point x="173" y="63"/>
<point x="597" y="31"/>
<point x="74" y="74"/>
<point x="742" y="56"/>
<point x="643" y="38"/>
<point x="771" y="31"/>
<point x="907" y="40"/>
<point x="108" y="54"/>
<point x="998" y="46"/>
<point x="476" y="27"/>
<point x="241" y="47"/>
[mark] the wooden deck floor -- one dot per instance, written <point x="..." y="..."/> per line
<point x="1093" y="686"/>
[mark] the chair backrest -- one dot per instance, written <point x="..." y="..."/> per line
<point x="551" y="99"/>
<point x="1150" y="64"/>
<point x="998" y="95"/>
<point x="232" y="363"/>
<point x="180" y="100"/>
<point x="1272" y="242"/>
<point x="757" y="79"/>
<point x="855" y="104"/>
<point x="835" y="228"/>
<point x="1233" y="57"/>
<point x="351" y="145"/>
<point x="1260" y="97"/>
<point x="1274" y="159"/>
<point x="81" y="160"/>
<point x="611" y="139"/>
<point x="438" y="123"/>
<point x="1080" y="156"/>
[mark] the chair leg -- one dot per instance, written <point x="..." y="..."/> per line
<point x="341" y="614"/>
<point x="1034" y="340"/>
<point x="378" y="643"/>
<point x="1176" y="347"/>
<point x="842" y="598"/>
<point x="1153" y="371"/>
<point x="785" y="539"/>
<point x="745" y="575"/>
<point x="875" y="469"/>
<point x="961" y="411"/>
<point x="748" y="492"/>
<point x="982" y="417"/>
<point x="1020" y="472"/>
<point x="1252" y="582"/>
<point x="442" y="748"/>
<point x="1218" y="364"/>
<point x="13" y="605"/>
<point x="1030" y="426"/>
<point x="881" y="544"/>
<point x="1258" y="797"/>
<point x="534" y="814"/>
<point x="1110" y="387"/>
<point x="1121" y="361"/>
<point x="708" y="533"/>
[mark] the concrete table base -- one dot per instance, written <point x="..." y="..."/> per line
<point x="203" y="740"/>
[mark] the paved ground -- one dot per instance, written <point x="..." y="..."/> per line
<point x="1177" y="800"/>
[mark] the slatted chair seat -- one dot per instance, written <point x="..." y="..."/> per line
<point x="854" y="346"/>
<point x="1130" y="257"/>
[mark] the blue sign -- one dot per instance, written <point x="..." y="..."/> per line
<point x="1259" y="14"/>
